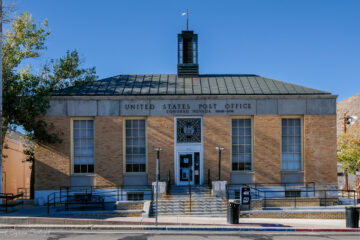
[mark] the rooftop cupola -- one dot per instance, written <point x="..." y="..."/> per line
<point x="188" y="54"/>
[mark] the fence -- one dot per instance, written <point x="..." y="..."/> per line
<point x="25" y="191"/>
<point x="257" y="188"/>
<point x="292" y="195"/>
<point x="90" y="195"/>
<point x="315" y="197"/>
<point x="10" y="200"/>
<point x="263" y="195"/>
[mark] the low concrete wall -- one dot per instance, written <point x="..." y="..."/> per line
<point x="290" y="202"/>
<point x="129" y="205"/>
<point x="287" y="214"/>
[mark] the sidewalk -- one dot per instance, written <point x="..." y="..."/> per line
<point x="37" y="217"/>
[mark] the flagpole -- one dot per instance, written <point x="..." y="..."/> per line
<point x="187" y="19"/>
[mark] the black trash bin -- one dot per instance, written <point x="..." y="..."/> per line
<point x="233" y="213"/>
<point x="352" y="217"/>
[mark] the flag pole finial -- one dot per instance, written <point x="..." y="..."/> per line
<point x="187" y="18"/>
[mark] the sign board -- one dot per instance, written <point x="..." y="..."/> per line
<point x="187" y="107"/>
<point x="245" y="196"/>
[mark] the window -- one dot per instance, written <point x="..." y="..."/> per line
<point x="195" y="42"/>
<point x="241" y="145"/>
<point x="83" y="140"/>
<point x="135" y="196"/>
<point x="180" y="50"/>
<point x="135" y="145"/>
<point x="291" y="144"/>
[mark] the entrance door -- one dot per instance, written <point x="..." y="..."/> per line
<point x="186" y="168"/>
<point x="188" y="165"/>
<point x="188" y="151"/>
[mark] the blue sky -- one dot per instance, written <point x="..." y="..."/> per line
<point x="315" y="43"/>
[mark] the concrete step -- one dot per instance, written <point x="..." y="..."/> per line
<point x="203" y="203"/>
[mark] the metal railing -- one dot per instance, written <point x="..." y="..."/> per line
<point x="285" y="184"/>
<point x="258" y="187"/>
<point x="293" y="194"/>
<point x="25" y="191"/>
<point x="209" y="179"/>
<point x="326" y="197"/>
<point x="168" y="182"/>
<point x="10" y="200"/>
<point x="66" y="196"/>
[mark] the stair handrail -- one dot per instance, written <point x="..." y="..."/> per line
<point x="209" y="181"/>
<point x="189" y="191"/>
<point x="168" y="183"/>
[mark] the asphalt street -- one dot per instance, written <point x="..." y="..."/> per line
<point x="162" y="235"/>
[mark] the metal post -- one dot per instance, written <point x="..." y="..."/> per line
<point x="117" y="193"/>
<point x="209" y="184"/>
<point x="157" y="183"/>
<point x="48" y="205"/>
<point x="346" y="179"/>
<point x="190" y="193"/>
<point x="345" y="171"/>
<point x="355" y="199"/>
<point x="219" y="149"/>
<point x="219" y="165"/>
<point x="265" y="200"/>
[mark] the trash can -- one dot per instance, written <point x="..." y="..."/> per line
<point x="352" y="217"/>
<point x="233" y="213"/>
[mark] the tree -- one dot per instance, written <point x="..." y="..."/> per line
<point x="349" y="149"/>
<point x="26" y="94"/>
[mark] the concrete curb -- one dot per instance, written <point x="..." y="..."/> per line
<point x="169" y="228"/>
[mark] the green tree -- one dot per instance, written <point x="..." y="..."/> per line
<point x="26" y="94"/>
<point x="348" y="146"/>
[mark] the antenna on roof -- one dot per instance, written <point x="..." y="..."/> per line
<point x="187" y="18"/>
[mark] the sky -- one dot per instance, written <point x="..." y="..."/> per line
<point x="314" y="43"/>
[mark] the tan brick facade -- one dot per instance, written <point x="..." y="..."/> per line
<point x="217" y="132"/>
<point x="267" y="149"/>
<point x="160" y="133"/>
<point x="320" y="161"/>
<point x="52" y="166"/>
<point x="53" y="163"/>
<point x="108" y="151"/>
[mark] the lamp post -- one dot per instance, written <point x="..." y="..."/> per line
<point x="348" y="120"/>
<point x="157" y="149"/>
<point x="220" y="149"/>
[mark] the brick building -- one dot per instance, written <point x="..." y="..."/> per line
<point x="16" y="170"/>
<point x="272" y="132"/>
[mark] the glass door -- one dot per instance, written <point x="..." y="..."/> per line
<point x="186" y="168"/>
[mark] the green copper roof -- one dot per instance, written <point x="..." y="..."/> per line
<point x="171" y="84"/>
